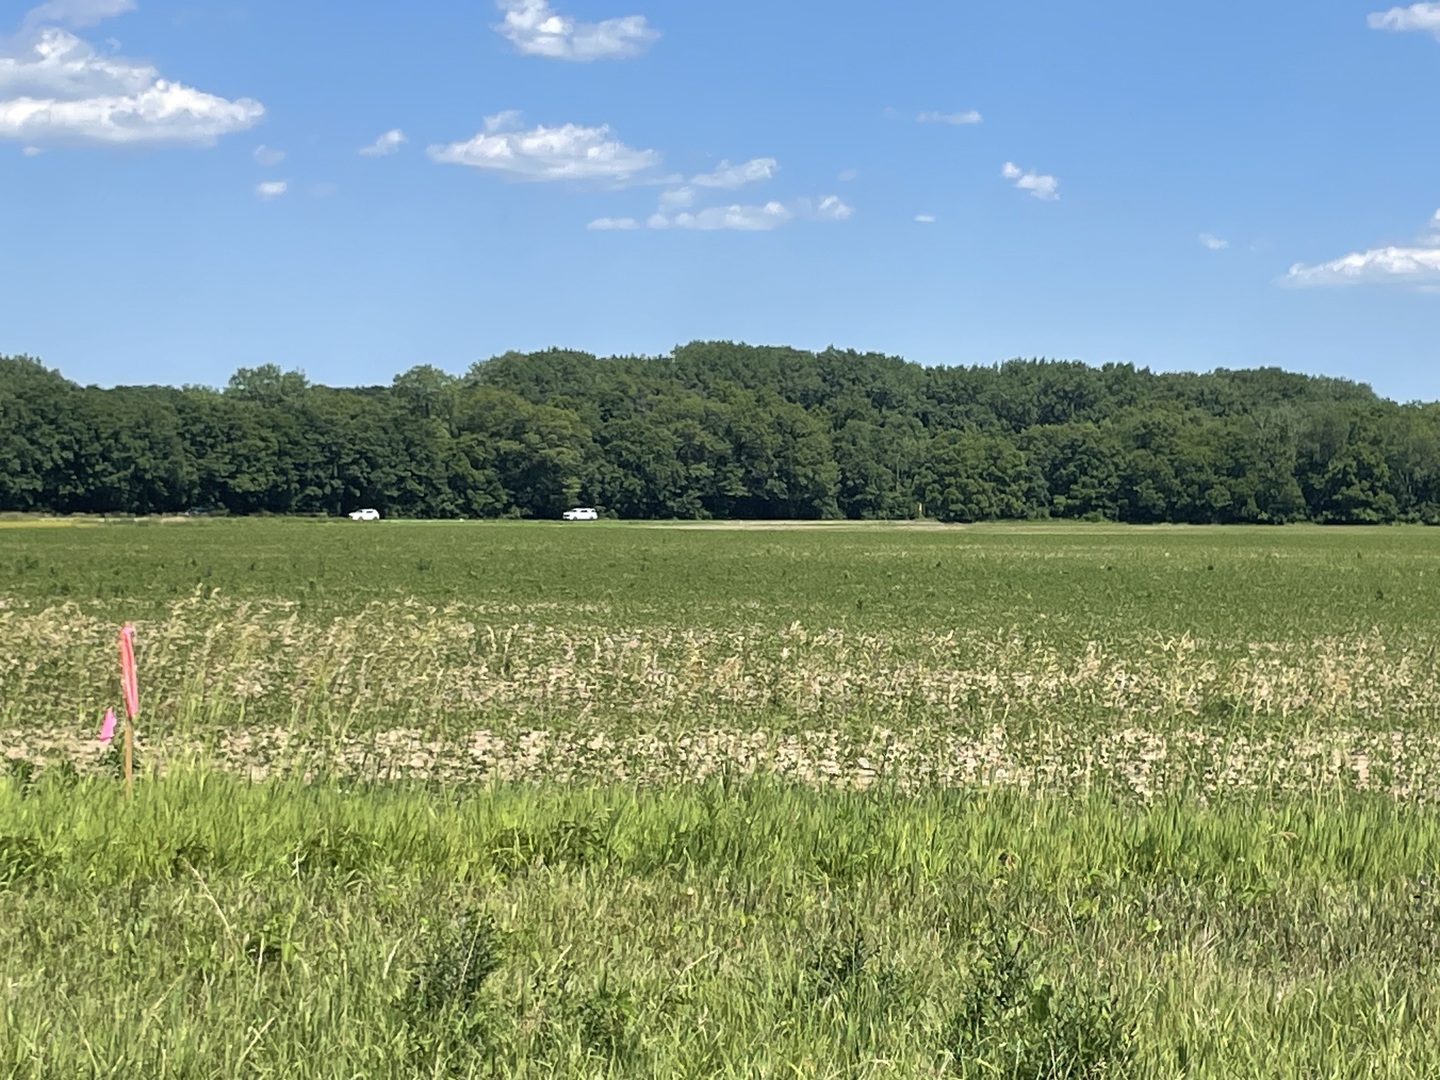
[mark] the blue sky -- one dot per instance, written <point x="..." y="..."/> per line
<point x="191" y="186"/>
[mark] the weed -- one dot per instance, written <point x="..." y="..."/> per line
<point x="459" y="958"/>
<point x="448" y="1019"/>
<point x="1014" y="1022"/>
<point x="607" y="1021"/>
<point x="838" y="963"/>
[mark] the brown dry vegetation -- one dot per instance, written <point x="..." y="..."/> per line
<point x="471" y="691"/>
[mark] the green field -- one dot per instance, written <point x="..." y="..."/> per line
<point x="523" y="799"/>
<point x="1153" y="658"/>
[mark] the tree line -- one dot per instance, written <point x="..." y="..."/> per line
<point x="720" y="430"/>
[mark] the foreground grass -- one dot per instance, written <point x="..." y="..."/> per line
<point x="215" y="928"/>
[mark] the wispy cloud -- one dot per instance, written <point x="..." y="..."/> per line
<point x="925" y="219"/>
<point x="505" y="120"/>
<point x="674" y="213"/>
<point x="271" y="189"/>
<point x="1214" y="243"/>
<point x="385" y="145"/>
<point x="535" y="29"/>
<point x="677" y="207"/>
<point x="725" y="176"/>
<point x="57" y="88"/>
<point x="847" y="175"/>
<point x="970" y="116"/>
<point x="730" y="176"/>
<point x="568" y="152"/>
<point x="738" y="217"/>
<point x="1037" y="184"/>
<point x="1423" y="17"/>
<point x="268" y="155"/>
<point x="77" y="12"/>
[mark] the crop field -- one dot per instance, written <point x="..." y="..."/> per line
<point x="523" y="799"/>
<point x="1151" y="660"/>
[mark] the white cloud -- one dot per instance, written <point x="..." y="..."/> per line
<point x="58" y="88"/>
<point x="570" y="152"/>
<point x="847" y="175"/>
<point x="724" y="176"/>
<point x="271" y="189"/>
<point x="386" y="144"/>
<point x="77" y="12"/>
<point x="925" y="219"/>
<point x="1417" y="263"/>
<point x="751" y="217"/>
<point x="675" y="209"/>
<point x="742" y="218"/>
<point x="971" y="116"/>
<point x="55" y="63"/>
<point x="268" y="155"/>
<point x="534" y="28"/>
<point x="1425" y="17"/>
<point x="1037" y="184"/>
<point x="1389" y="265"/>
<point x="32" y="151"/>
<point x="730" y="176"/>
<point x="1214" y="243"/>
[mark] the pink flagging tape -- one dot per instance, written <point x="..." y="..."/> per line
<point x="129" y="682"/>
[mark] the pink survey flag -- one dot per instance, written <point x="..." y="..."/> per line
<point x="128" y="680"/>
<point x="107" y="729"/>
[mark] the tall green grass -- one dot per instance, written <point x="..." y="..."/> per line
<point x="214" y="928"/>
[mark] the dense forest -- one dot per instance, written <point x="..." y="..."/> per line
<point x="718" y="430"/>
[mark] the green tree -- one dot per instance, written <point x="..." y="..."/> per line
<point x="969" y="476"/>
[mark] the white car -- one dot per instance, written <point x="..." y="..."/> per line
<point x="581" y="513"/>
<point x="365" y="515"/>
